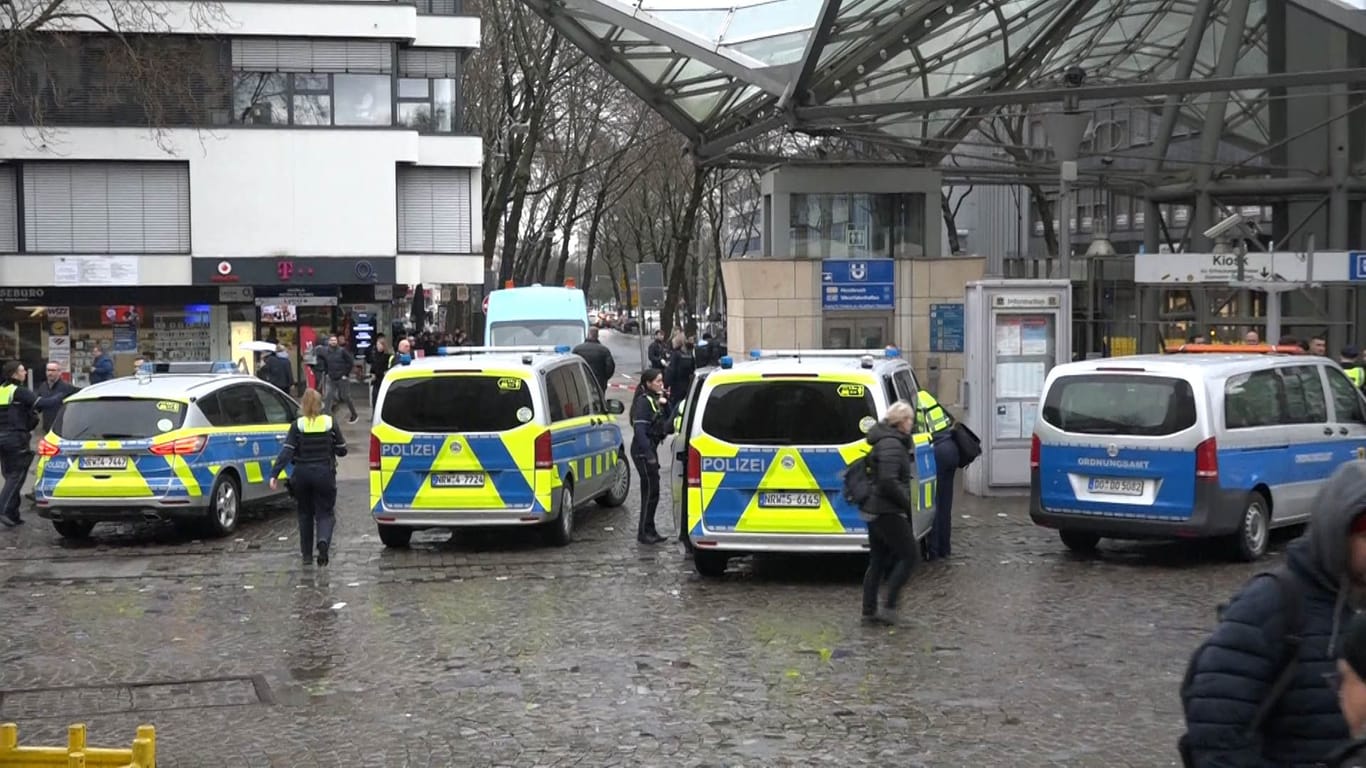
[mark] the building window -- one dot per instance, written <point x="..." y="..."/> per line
<point x="363" y="99"/>
<point x="434" y="210"/>
<point x="429" y="90"/>
<point x="92" y="207"/>
<point x="312" y="82"/>
<point x="439" y="7"/>
<point x="9" y="210"/>
<point x="856" y="226"/>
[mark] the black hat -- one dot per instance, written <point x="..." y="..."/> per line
<point x="1350" y="352"/>
<point x="1353" y="646"/>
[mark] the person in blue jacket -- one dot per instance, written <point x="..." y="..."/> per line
<point x="649" y="425"/>
<point x="1232" y="676"/>
<point x="102" y="367"/>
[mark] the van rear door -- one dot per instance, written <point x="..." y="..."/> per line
<point x="1107" y="446"/>
<point x="773" y="452"/>
<point x="458" y="440"/>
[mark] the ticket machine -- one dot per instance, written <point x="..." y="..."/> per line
<point x="1015" y="331"/>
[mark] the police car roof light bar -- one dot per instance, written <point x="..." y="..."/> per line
<point x="727" y="362"/>
<point x="452" y="351"/>
<point x="888" y="352"/>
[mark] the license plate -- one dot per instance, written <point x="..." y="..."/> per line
<point x="103" y="462"/>
<point x="1115" y="486"/>
<point x="808" y="500"/>
<point x="458" y="480"/>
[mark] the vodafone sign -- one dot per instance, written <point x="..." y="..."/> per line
<point x="224" y="273"/>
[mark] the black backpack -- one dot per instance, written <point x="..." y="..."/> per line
<point x="858" y="481"/>
<point x="1292" y="610"/>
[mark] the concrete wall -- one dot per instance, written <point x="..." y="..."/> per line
<point x="776" y="303"/>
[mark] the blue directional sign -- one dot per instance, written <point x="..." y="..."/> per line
<point x="1356" y="265"/>
<point x="946" y="328"/>
<point x="858" y="285"/>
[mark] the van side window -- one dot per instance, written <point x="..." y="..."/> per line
<point x="555" y="394"/>
<point x="1254" y="399"/>
<point x="1304" y="401"/>
<point x="576" y="386"/>
<point x="1346" y="398"/>
<point x="890" y="389"/>
<point x="905" y="386"/>
<point x="588" y="383"/>
<point x="567" y="390"/>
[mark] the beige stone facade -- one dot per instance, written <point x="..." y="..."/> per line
<point x="776" y="304"/>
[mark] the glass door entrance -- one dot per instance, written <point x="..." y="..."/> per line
<point x="854" y="332"/>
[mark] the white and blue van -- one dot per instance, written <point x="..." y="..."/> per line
<point x="536" y="315"/>
<point x="1190" y="446"/>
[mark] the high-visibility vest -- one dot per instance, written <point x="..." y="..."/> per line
<point x="7" y="394"/>
<point x="1356" y="375"/>
<point x="929" y="415"/>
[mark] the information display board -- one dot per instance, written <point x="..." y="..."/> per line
<point x="1024" y="353"/>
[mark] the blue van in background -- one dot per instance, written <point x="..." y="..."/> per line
<point x="1185" y="446"/>
<point x="536" y="315"/>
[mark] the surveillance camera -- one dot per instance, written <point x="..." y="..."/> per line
<point x="1074" y="76"/>
<point x="1107" y="161"/>
<point x="1225" y="226"/>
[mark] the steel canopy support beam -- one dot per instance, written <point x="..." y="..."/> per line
<point x="1229" y="49"/>
<point x="603" y="54"/>
<point x="1339" y="147"/>
<point x="825" y="22"/>
<point x="1012" y="74"/>
<point x="893" y="38"/>
<point x="723" y="143"/>
<point x="1354" y="76"/>
<point x="1171" y="110"/>
<point x="1254" y="190"/>
<point x="615" y="14"/>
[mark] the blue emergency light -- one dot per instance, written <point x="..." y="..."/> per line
<point x="755" y="354"/>
<point x="563" y="348"/>
<point x="726" y="361"/>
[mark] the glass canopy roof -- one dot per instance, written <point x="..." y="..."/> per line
<point x="715" y="68"/>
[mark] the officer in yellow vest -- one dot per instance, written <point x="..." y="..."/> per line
<point x="1351" y="365"/>
<point x="313" y="444"/>
<point x="931" y="418"/>
<point x="18" y="416"/>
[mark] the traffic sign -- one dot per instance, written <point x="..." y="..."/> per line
<point x="1356" y="265"/>
<point x="650" y="287"/>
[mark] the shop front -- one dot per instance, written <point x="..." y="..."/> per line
<point x="299" y="302"/>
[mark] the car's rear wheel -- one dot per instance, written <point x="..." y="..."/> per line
<point x="1080" y="542"/>
<point x="562" y="527"/>
<point x="395" y="536"/>
<point x="1254" y="532"/>
<point x="225" y="504"/>
<point x="620" y="489"/>
<point x="710" y="564"/>
<point x="73" y="529"/>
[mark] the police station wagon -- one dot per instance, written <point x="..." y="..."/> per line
<point x="483" y="436"/>
<point x="1217" y="445"/>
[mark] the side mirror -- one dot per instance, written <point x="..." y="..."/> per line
<point x="615" y="406"/>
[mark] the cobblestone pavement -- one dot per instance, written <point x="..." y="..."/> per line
<point x="491" y="649"/>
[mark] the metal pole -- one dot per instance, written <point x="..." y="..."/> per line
<point x="1339" y="139"/>
<point x="1213" y="130"/>
<point x="1065" y="211"/>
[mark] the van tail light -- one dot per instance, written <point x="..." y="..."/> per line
<point x="183" y="446"/>
<point x="374" y="452"/>
<point x="1034" y="452"/>
<point x="1207" y="460"/>
<point x="694" y="468"/>
<point x="543" y="458"/>
<point x="48" y="448"/>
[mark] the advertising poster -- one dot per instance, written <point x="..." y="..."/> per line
<point x="1007" y="336"/>
<point x="1034" y="336"/>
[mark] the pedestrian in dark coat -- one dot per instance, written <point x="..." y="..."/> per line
<point x="52" y="392"/>
<point x="680" y="370"/>
<point x="649" y="424"/>
<point x="891" y="541"/>
<point x="1350" y="682"/>
<point x="598" y="357"/>
<point x="1231" y="674"/>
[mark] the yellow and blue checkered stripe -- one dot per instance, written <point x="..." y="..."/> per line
<point x="407" y="461"/>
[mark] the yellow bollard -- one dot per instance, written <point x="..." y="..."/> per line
<point x="144" y="750"/>
<point x="75" y="760"/>
<point x="75" y="738"/>
<point x="9" y="738"/>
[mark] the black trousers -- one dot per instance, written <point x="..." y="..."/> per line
<point x="946" y="459"/>
<point x="891" y="553"/>
<point x="315" y="492"/>
<point x="648" y="472"/>
<point x="15" y="458"/>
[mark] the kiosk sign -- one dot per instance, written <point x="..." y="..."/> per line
<point x="860" y="285"/>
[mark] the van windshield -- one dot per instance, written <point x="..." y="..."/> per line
<point x="457" y="404"/>
<point x="532" y="333"/>
<point x="1110" y="404"/>
<point x="782" y="412"/>
<point x="117" y="418"/>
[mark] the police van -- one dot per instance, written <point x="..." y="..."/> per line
<point x="185" y="447"/>
<point x="1190" y="445"/>
<point x="482" y="436"/>
<point x="761" y="446"/>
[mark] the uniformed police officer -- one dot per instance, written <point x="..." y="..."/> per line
<point x="313" y="444"/>
<point x="931" y="418"/>
<point x="1351" y="365"/>
<point x="18" y="416"/>
<point x="649" y="423"/>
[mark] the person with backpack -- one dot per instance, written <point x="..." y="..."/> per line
<point x="1255" y="692"/>
<point x="881" y="486"/>
<point x="1350" y="683"/>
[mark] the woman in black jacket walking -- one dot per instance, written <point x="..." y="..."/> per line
<point x="891" y="542"/>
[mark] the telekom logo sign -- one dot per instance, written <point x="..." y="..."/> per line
<point x="285" y="269"/>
